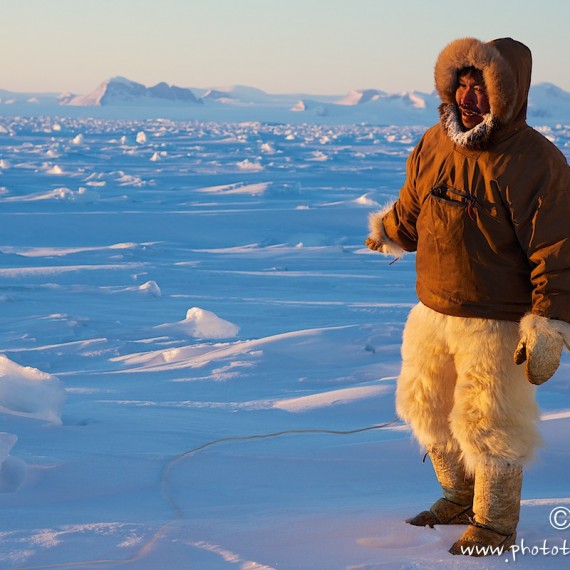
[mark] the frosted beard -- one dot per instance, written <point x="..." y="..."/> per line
<point x="477" y="138"/>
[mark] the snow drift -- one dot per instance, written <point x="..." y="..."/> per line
<point x="203" y="324"/>
<point x="26" y="391"/>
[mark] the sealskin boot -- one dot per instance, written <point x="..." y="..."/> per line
<point x="497" y="507"/>
<point x="455" y="507"/>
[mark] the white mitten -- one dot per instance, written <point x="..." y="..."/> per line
<point x="541" y="346"/>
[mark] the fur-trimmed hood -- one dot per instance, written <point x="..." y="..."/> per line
<point x="506" y="65"/>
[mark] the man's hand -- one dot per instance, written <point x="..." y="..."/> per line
<point x="373" y="244"/>
<point x="377" y="239"/>
<point x="540" y="346"/>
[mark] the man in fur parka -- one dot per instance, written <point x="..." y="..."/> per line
<point x="486" y="206"/>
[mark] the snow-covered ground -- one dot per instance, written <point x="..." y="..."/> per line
<point x="193" y="335"/>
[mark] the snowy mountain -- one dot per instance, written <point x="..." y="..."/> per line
<point x="237" y="94"/>
<point x="361" y="96"/>
<point x="11" y="98"/>
<point x="408" y="99"/>
<point x="247" y="96"/>
<point x="376" y="107"/>
<point x="122" y="91"/>
<point x="219" y="96"/>
<point x="547" y="101"/>
<point x="548" y="104"/>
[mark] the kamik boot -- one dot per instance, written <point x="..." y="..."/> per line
<point x="455" y="507"/>
<point x="497" y="506"/>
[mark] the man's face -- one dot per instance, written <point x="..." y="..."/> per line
<point x="471" y="97"/>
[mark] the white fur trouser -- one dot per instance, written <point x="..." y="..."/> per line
<point x="460" y="389"/>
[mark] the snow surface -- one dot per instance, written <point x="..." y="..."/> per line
<point x="157" y="314"/>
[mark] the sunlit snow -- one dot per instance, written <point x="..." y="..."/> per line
<point x="193" y="333"/>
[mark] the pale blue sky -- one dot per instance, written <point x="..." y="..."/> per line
<point x="315" y="46"/>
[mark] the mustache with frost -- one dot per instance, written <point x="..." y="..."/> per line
<point x="470" y="110"/>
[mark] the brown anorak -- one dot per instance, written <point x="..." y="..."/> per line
<point x="487" y="210"/>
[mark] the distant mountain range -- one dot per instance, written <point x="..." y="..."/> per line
<point x="121" y="91"/>
<point x="547" y="104"/>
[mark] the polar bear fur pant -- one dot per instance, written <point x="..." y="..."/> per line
<point x="460" y="390"/>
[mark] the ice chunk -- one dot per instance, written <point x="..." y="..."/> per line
<point x="249" y="166"/>
<point x="200" y="323"/>
<point x="151" y="288"/>
<point x="205" y="324"/>
<point x="366" y="200"/>
<point x="12" y="469"/>
<point x="26" y="391"/>
<point x="7" y="441"/>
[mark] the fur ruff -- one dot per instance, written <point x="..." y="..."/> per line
<point x="378" y="234"/>
<point x="500" y="81"/>
<point x="460" y="389"/>
<point x="477" y="138"/>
